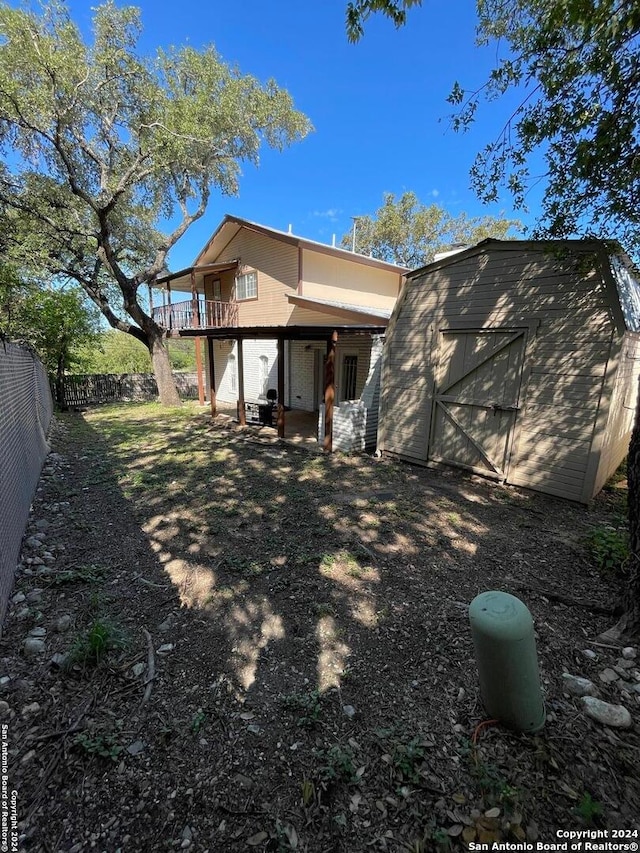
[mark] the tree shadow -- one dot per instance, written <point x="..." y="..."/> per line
<point x="313" y="613"/>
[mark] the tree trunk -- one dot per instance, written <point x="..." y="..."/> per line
<point x="60" y="384"/>
<point x="167" y="390"/>
<point x="628" y="626"/>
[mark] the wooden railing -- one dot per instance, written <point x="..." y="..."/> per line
<point x="203" y="314"/>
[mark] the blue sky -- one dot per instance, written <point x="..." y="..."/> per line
<point x="379" y="108"/>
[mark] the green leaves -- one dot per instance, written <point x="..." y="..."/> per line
<point x="578" y="65"/>
<point x="107" y="145"/>
<point x="409" y="233"/>
<point x="359" y="10"/>
<point x="575" y="68"/>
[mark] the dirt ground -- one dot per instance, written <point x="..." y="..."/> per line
<point x="220" y="642"/>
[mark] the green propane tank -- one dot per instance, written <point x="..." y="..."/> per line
<point x="502" y="630"/>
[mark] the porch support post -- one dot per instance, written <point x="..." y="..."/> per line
<point x="170" y="323"/>
<point x="329" y="392"/>
<point x="199" y="371"/>
<point x="280" y="422"/>
<point x="194" y="301"/>
<point x="212" y="377"/>
<point x="196" y="325"/>
<point x="242" y="415"/>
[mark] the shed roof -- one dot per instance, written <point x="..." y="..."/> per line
<point x="620" y="271"/>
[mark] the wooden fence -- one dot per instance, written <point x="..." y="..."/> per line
<point x="90" y="389"/>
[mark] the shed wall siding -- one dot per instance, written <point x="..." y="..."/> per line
<point x="624" y="399"/>
<point x="565" y="362"/>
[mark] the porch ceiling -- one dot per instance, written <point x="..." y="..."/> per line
<point x="287" y="333"/>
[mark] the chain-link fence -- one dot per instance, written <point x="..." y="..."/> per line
<point x="25" y="414"/>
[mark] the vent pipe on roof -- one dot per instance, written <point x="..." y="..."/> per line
<point x="333" y="241"/>
<point x="290" y="229"/>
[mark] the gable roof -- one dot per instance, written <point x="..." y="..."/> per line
<point x="231" y="225"/>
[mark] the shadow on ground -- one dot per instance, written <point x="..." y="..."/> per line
<point x="313" y="680"/>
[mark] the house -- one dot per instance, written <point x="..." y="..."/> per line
<point x="289" y="316"/>
<point x="517" y="360"/>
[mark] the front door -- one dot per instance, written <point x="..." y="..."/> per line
<point x="476" y="395"/>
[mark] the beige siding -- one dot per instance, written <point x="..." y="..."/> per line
<point x="622" y="408"/>
<point x="340" y="280"/>
<point x="277" y="266"/>
<point x="567" y="350"/>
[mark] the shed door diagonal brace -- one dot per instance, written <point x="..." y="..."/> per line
<point x="490" y="462"/>
<point x="487" y="357"/>
<point x="475" y="408"/>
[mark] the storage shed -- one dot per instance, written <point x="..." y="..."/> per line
<point x="518" y="360"/>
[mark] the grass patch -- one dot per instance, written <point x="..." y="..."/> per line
<point x="608" y="548"/>
<point x="79" y="574"/>
<point x="307" y="706"/>
<point x="103" y="745"/>
<point x="344" y="560"/>
<point x="91" y="647"/>
<point x="337" y="764"/>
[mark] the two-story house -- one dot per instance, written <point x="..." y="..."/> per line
<point x="290" y="319"/>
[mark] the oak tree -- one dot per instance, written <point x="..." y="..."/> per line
<point x="409" y="233"/>
<point x="109" y="156"/>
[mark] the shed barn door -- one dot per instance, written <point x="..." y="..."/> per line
<point x="475" y="402"/>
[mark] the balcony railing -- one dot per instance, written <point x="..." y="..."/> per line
<point x="201" y="315"/>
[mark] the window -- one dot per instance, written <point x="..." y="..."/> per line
<point x="233" y="373"/>
<point x="247" y="286"/>
<point x="349" y="375"/>
<point x="217" y="290"/>
<point x="264" y="375"/>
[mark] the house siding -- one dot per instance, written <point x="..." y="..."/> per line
<point x="302" y="369"/>
<point x="226" y="363"/>
<point x="567" y="314"/>
<point x="276" y="264"/>
<point x="328" y="277"/>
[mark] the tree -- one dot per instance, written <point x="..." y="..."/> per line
<point x="57" y="324"/>
<point x="576" y="64"/>
<point x="13" y="292"/>
<point x="408" y="233"/>
<point x="359" y="10"/>
<point x="115" y="352"/>
<point x="108" y="146"/>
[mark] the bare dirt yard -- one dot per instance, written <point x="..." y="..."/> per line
<point x="221" y="642"/>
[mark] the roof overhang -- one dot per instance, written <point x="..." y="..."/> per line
<point x="287" y="333"/>
<point x="182" y="280"/>
<point x="344" y="310"/>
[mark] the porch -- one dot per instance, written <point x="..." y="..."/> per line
<point x="302" y="427"/>
<point x="327" y="335"/>
<point x="197" y="314"/>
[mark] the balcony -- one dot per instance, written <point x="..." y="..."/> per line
<point x="203" y="314"/>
